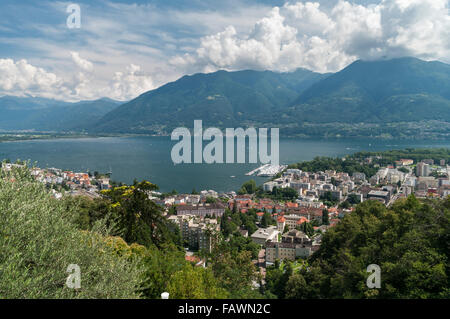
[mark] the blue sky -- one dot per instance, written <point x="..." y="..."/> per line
<point x="125" y="48"/>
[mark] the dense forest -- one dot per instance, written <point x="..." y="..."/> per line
<point x="409" y="242"/>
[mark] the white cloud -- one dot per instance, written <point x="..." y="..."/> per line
<point x="82" y="63"/>
<point x="25" y="79"/>
<point x="21" y="78"/>
<point x="323" y="39"/>
<point x="100" y="58"/>
<point x="130" y="84"/>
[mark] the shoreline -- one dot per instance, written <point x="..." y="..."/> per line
<point x="31" y="136"/>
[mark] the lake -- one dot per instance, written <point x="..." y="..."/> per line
<point x="148" y="157"/>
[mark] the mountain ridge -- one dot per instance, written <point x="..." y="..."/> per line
<point x="401" y="96"/>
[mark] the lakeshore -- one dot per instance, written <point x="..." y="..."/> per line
<point x="148" y="157"/>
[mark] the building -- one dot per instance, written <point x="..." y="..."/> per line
<point x="281" y="223"/>
<point x="291" y="221"/>
<point x="404" y="162"/>
<point x="423" y="169"/>
<point x="197" y="232"/>
<point x="335" y="194"/>
<point x="377" y="194"/>
<point x="264" y="235"/>
<point x="294" y="244"/>
<point x="359" y="177"/>
<point x="215" y="209"/>
<point x="268" y="187"/>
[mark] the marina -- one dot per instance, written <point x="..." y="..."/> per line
<point x="267" y="170"/>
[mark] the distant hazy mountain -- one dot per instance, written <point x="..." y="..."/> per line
<point x="405" y="89"/>
<point x="221" y="98"/>
<point x="51" y="115"/>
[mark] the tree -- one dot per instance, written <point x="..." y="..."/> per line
<point x="325" y="217"/>
<point x="296" y="287"/>
<point x="160" y="264"/>
<point x="210" y="200"/>
<point x="195" y="283"/>
<point x="409" y="241"/>
<point x="248" y="187"/>
<point x="235" y="271"/>
<point x="353" y="199"/>
<point x="138" y="219"/>
<point x="39" y="240"/>
<point x="266" y="220"/>
<point x="307" y="228"/>
<point x="345" y="205"/>
<point x="277" y="277"/>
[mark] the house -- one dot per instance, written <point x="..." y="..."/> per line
<point x="264" y="235"/>
<point x="294" y="244"/>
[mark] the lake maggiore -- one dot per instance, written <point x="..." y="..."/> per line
<point x="149" y="158"/>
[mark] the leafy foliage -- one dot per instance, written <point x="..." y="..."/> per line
<point x="409" y="241"/>
<point x="38" y="241"/>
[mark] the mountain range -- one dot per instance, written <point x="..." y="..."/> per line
<point x="381" y="94"/>
<point x="41" y="114"/>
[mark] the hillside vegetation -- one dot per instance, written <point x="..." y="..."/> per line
<point x="389" y="98"/>
<point x="39" y="241"/>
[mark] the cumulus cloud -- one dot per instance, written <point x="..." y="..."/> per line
<point x="21" y="78"/>
<point x="323" y="37"/>
<point x="327" y="39"/>
<point x="82" y="63"/>
<point x="26" y="79"/>
<point x="130" y="84"/>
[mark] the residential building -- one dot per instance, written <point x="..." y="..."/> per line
<point x="206" y="209"/>
<point x="264" y="235"/>
<point x="199" y="233"/>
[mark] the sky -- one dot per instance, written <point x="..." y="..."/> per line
<point x="125" y="48"/>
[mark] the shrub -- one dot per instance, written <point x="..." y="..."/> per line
<point x="38" y="241"/>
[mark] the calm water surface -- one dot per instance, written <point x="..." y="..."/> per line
<point x="149" y="158"/>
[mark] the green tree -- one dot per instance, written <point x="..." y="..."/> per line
<point x="235" y="271"/>
<point x="325" y="217"/>
<point x="138" y="219"/>
<point x="39" y="240"/>
<point x="248" y="187"/>
<point x="296" y="287"/>
<point x="266" y="220"/>
<point x="409" y="241"/>
<point x="195" y="283"/>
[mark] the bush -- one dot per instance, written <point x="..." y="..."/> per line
<point x="38" y="241"/>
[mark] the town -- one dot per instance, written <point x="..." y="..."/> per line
<point x="285" y="217"/>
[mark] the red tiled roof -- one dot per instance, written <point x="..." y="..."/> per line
<point x="302" y="220"/>
<point x="193" y="259"/>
